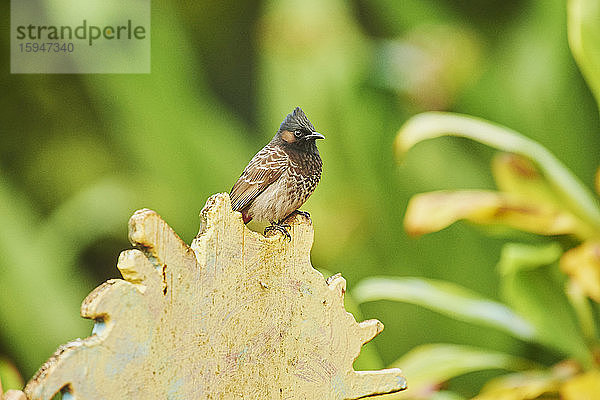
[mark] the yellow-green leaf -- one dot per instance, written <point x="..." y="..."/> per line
<point x="431" y="212"/>
<point x="597" y="181"/>
<point x="447" y="298"/>
<point x="582" y="264"/>
<point x="517" y="174"/>
<point x="574" y="196"/>
<point x="10" y="378"/>
<point x="582" y="387"/>
<point x="533" y="286"/>
<point x="520" y="386"/>
<point x="518" y="257"/>
<point x="584" y="39"/>
<point x="427" y="366"/>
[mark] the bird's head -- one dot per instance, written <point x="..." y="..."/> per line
<point x="297" y="131"/>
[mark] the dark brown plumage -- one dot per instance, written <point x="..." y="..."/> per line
<point x="281" y="176"/>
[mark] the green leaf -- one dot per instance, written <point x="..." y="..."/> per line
<point x="446" y="395"/>
<point x="518" y="175"/>
<point x="429" y="365"/>
<point x="584" y="39"/>
<point x="521" y="386"/>
<point x="10" y="378"/>
<point x="518" y="257"/>
<point x="576" y="197"/>
<point x="446" y="298"/>
<point x="534" y="287"/>
<point x="583" y="310"/>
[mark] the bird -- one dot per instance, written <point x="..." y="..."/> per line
<point x="281" y="176"/>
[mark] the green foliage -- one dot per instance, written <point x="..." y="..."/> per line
<point x="428" y="365"/>
<point x="566" y="186"/>
<point x="446" y="298"/>
<point x="537" y="194"/>
<point x="9" y="377"/>
<point x="584" y="35"/>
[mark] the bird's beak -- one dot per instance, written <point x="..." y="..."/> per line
<point x="314" y="135"/>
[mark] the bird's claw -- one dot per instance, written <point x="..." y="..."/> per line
<point x="303" y="213"/>
<point x="283" y="228"/>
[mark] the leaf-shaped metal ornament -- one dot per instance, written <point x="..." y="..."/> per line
<point x="234" y="315"/>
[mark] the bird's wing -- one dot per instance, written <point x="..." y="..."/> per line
<point x="264" y="169"/>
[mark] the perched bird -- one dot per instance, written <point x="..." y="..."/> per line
<point x="281" y="176"/>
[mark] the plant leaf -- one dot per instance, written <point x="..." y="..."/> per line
<point x="583" y="310"/>
<point x="516" y="174"/>
<point x="521" y="257"/>
<point x="10" y="378"/>
<point x="445" y="395"/>
<point x="597" y="181"/>
<point x="584" y="386"/>
<point x="584" y="39"/>
<point x="446" y="298"/>
<point x="520" y="386"/>
<point x="429" y="365"/>
<point x="534" y="287"/>
<point x="430" y="212"/>
<point x="582" y="264"/>
<point x="576" y="197"/>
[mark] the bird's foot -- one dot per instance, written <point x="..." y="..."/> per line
<point x="303" y="213"/>
<point x="298" y="212"/>
<point x="283" y="228"/>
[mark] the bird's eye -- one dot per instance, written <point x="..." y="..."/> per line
<point x="297" y="133"/>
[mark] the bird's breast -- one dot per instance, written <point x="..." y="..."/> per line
<point x="288" y="192"/>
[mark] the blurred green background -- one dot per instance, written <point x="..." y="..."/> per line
<point x="80" y="153"/>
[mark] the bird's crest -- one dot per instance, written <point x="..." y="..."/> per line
<point x="296" y="120"/>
